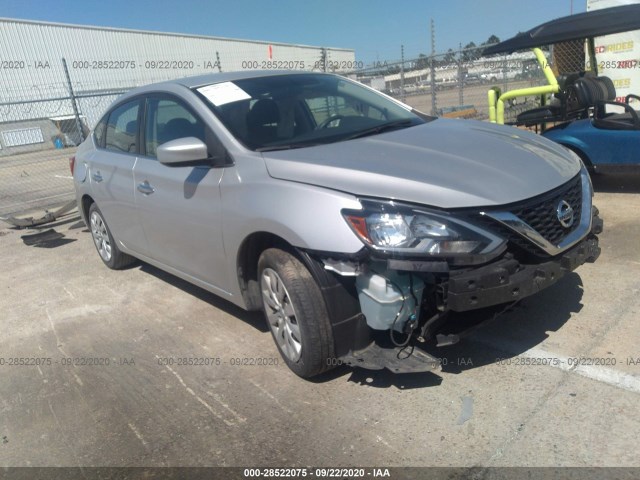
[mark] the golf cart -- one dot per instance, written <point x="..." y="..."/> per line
<point x="574" y="108"/>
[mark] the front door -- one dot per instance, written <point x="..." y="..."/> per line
<point x="179" y="207"/>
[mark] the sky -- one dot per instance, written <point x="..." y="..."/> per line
<point x="375" y="29"/>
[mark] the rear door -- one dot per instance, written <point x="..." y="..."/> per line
<point x="179" y="207"/>
<point x="111" y="172"/>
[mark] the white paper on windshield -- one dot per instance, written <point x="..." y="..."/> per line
<point x="222" y="93"/>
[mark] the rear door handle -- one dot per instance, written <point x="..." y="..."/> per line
<point x="145" y="188"/>
<point x="97" y="177"/>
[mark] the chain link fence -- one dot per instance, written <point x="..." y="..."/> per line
<point x="455" y="84"/>
<point x="42" y="121"/>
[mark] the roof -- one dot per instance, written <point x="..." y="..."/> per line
<point x="210" y="78"/>
<point x="595" y="23"/>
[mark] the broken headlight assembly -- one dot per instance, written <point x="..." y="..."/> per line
<point x="400" y="230"/>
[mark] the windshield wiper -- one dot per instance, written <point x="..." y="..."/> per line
<point x="380" y="128"/>
<point x="363" y="133"/>
<point x="286" y="146"/>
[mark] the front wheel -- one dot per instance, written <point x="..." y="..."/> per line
<point x="296" y="313"/>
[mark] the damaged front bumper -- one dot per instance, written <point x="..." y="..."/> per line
<point x="395" y="359"/>
<point x="508" y="280"/>
<point x="416" y="296"/>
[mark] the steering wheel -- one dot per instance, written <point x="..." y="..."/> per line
<point x="328" y="121"/>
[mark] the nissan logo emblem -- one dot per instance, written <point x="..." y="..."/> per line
<point x="565" y="213"/>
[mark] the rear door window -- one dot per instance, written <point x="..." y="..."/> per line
<point x="100" y="130"/>
<point x="122" y="128"/>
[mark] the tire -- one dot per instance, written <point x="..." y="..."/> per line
<point x="104" y="242"/>
<point x="295" y="313"/>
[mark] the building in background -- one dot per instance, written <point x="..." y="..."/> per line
<point x="57" y="79"/>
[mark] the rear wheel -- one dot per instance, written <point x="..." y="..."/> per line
<point x="104" y="242"/>
<point x="296" y="313"/>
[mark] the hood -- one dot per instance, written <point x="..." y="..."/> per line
<point x="444" y="163"/>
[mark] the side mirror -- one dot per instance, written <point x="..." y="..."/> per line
<point x="183" y="152"/>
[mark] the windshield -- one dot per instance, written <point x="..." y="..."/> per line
<point x="299" y="110"/>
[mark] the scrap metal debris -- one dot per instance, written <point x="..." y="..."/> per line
<point x="48" y="217"/>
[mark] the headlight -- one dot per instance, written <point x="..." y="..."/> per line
<point x="392" y="228"/>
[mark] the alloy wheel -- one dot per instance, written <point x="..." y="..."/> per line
<point x="100" y="236"/>
<point x="281" y="315"/>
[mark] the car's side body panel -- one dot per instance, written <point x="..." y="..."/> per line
<point x="110" y="181"/>
<point x="181" y="218"/>
<point x="304" y="216"/>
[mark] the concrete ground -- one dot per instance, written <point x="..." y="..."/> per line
<point x="509" y="394"/>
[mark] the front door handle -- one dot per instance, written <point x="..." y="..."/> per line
<point x="97" y="177"/>
<point x="145" y="188"/>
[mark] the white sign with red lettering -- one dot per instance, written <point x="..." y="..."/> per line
<point x="618" y="55"/>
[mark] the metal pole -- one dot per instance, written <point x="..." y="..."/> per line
<point x="460" y="77"/>
<point x="402" y="95"/>
<point x="74" y="105"/>
<point x="505" y="79"/>
<point x="432" y="73"/>
<point x="323" y="59"/>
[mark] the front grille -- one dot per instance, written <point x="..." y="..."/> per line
<point x="543" y="217"/>
<point x="541" y="214"/>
